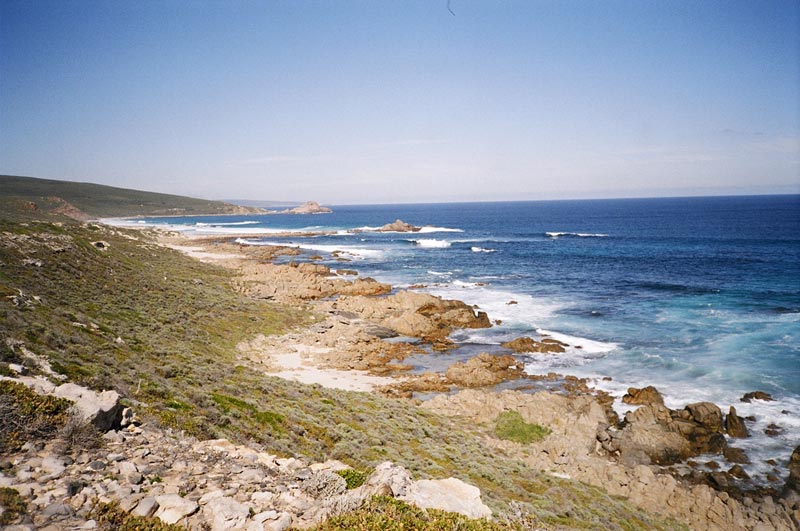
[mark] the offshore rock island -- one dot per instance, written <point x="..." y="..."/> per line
<point x="148" y="378"/>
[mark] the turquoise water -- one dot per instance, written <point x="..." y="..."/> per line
<point x="697" y="296"/>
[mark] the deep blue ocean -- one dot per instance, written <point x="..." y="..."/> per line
<point x="697" y="296"/>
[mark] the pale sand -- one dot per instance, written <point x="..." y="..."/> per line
<point x="200" y="253"/>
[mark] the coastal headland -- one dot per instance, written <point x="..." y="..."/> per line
<point x="258" y="389"/>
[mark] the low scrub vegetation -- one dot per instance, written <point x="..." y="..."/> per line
<point x="388" y="514"/>
<point x="26" y="416"/>
<point x="111" y="518"/>
<point x="12" y="506"/>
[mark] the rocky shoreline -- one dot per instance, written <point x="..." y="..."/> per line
<point x="362" y="332"/>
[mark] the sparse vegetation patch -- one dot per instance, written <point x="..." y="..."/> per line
<point x="511" y="427"/>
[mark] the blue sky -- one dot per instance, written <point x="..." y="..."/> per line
<point x="379" y="102"/>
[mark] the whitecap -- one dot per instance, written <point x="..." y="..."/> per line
<point x="556" y="235"/>
<point x="225" y="224"/>
<point x="431" y="243"/>
<point x="482" y="250"/>
<point x="590" y="346"/>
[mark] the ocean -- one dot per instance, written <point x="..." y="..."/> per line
<point x="699" y="297"/>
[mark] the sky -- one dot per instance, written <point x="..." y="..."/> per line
<point x="348" y="102"/>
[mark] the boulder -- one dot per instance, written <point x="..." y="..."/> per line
<point x="225" y="513"/>
<point x="646" y="395"/>
<point x="706" y="414"/>
<point x="103" y="410"/>
<point x="485" y="369"/>
<point x="734" y="425"/>
<point x="172" y="508"/>
<point x="449" y="494"/>
<point x="388" y="479"/>
<point x="735" y="455"/>
<point x="527" y="344"/>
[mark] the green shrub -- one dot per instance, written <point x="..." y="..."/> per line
<point x="111" y="518"/>
<point x="12" y="504"/>
<point x="352" y="477"/>
<point x="510" y="426"/>
<point x="26" y="416"/>
<point x="388" y="514"/>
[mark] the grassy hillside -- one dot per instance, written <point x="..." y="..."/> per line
<point x="98" y="200"/>
<point x="161" y="328"/>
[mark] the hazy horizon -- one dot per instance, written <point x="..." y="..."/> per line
<point x="403" y="102"/>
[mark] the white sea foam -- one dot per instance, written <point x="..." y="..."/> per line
<point x="556" y="235"/>
<point x="353" y="252"/>
<point x="431" y="243"/>
<point x="587" y="345"/>
<point x="440" y="273"/>
<point x="482" y="250"/>
<point x="226" y="224"/>
<point x="462" y="284"/>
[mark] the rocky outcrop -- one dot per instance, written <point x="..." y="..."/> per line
<point x="571" y="451"/>
<point x="734" y="425"/>
<point x="485" y="369"/>
<point x="416" y="314"/>
<point x="645" y="396"/>
<point x="309" y="207"/>
<point x="654" y="433"/>
<point x="399" y="226"/>
<point x="527" y="344"/>
<point x="302" y="282"/>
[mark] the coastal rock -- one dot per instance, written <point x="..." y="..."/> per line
<point x="734" y="425"/>
<point x="103" y="410"/>
<point x="399" y="226"/>
<point x="793" y="481"/>
<point x="485" y="369"/>
<point x="309" y="207"/>
<point x="757" y="395"/>
<point x="645" y="396"/>
<point x="667" y="436"/>
<point x="527" y="344"/>
<point x="706" y="414"/>
<point x="735" y="455"/>
<point x="416" y="314"/>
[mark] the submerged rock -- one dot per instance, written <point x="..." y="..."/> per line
<point x="757" y="395"/>
<point x="527" y="344"/>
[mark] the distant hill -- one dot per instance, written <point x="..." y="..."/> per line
<point x="87" y="200"/>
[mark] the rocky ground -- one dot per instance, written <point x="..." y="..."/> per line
<point x="203" y="485"/>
